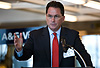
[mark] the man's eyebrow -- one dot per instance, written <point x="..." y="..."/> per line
<point x="54" y="15"/>
<point x="49" y="14"/>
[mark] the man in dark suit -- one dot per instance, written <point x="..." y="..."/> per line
<point x="40" y="42"/>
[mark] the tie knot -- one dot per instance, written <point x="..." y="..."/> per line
<point x="54" y="34"/>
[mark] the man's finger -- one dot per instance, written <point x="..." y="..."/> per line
<point x="15" y="36"/>
<point x="20" y="35"/>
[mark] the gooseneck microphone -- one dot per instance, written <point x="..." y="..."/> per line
<point x="63" y="42"/>
<point x="66" y="46"/>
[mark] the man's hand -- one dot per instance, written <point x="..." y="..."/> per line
<point x="18" y="42"/>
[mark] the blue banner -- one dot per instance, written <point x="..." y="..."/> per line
<point x="7" y="35"/>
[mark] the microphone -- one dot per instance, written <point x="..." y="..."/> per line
<point x="64" y="45"/>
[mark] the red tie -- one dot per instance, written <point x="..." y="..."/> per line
<point x="55" y="52"/>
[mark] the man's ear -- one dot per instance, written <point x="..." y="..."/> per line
<point x="63" y="18"/>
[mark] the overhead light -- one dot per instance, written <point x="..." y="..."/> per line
<point x="75" y="1"/>
<point x="70" y="18"/>
<point x="5" y="5"/>
<point x="93" y="4"/>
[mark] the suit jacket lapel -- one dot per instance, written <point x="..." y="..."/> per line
<point x="46" y="44"/>
<point x="62" y="34"/>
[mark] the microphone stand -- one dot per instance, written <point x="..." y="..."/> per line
<point x="79" y="56"/>
<point x="65" y="48"/>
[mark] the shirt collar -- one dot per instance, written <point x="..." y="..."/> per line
<point x="51" y="32"/>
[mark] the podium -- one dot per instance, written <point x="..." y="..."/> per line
<point x="57" y="67"/>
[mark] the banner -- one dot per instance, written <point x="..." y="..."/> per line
<point x="7" y="35"/>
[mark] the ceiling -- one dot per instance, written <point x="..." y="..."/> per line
<point x="34" y="10"/>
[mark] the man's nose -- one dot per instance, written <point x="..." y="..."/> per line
<point x="53" y="18"/>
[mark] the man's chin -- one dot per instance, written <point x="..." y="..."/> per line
<point x="53" y="29"/>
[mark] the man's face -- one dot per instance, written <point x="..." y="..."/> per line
<point x="54" y="18"/>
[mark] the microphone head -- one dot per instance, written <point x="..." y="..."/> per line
<point x="64" y="45"/>
<point x="63" y="42"/>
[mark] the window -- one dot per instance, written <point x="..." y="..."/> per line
<point x="92" y="44"/>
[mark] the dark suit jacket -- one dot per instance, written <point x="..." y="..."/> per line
<point x="38" y="45"/>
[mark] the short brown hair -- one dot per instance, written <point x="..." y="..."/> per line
<point x="55" y="5"/>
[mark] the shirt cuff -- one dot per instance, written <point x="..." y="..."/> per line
<point x="20" y="53"/>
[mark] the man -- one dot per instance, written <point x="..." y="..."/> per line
<point x="42" y="42"/>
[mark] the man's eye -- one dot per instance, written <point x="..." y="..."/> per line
<point x="56" y="16"/>
<point x="49" y="15"/>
